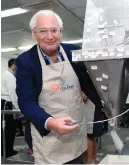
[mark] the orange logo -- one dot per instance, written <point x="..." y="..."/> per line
<point x="61" y="87"/>
<point x="56" y="88"/>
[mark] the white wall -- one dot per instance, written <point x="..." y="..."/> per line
<point x="4" y="64"/>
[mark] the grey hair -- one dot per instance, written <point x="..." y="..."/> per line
<point x="47" y="13"/>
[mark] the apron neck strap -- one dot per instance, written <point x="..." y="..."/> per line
<point x="42" y="60"/>
<point x="63" y="53"/>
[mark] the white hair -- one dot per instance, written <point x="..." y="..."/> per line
<point x="47" y="13"/>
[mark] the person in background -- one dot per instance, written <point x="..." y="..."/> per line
<point x="49" y="89"/>
<point x="8" y="102"/>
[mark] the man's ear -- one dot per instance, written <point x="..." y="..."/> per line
<point x="61" y="31"/>
<point x="34" y="34"/>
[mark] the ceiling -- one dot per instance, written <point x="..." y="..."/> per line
<point x="15" y="30"/>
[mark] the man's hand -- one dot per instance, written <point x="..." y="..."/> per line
<point x="84" y="97"/>
<point x="59" y="125"/>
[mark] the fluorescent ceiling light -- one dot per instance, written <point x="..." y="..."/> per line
<point x="11" y="12"/>
<point x="25" y="47"/>
<point x="8" y="49"/>
<point x="73" y="41"/>
<point x="30" y="46"/>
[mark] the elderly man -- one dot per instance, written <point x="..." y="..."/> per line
<point x="49" y="93"/>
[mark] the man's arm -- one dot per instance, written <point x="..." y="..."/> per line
<point x="28" y="99"/>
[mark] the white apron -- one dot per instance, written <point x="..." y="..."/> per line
<point x="89" y="110"/>
<point x="60" y="97"/>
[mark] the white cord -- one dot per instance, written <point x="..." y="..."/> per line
<point x="108" y="119"/>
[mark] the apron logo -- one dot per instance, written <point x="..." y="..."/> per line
<point x="61" y="87"/>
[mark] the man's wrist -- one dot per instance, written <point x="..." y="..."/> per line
<point x="46" y="125"/>
<point x="51" y="123"/>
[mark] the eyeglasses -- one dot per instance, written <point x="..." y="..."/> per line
<point x="44" y="32"/>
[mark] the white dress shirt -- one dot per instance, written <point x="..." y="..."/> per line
<point x="8" y="88"/>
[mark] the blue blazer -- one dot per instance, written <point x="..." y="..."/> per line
<point x="29" y="85"/>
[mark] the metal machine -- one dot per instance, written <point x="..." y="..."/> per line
<point x="105" y="52"/>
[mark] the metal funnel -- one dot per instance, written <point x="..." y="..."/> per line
<point x="108" y="78"/>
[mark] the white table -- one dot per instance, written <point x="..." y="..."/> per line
<point x="115" y="159"/>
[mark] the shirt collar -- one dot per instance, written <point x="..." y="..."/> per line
<point x="48" y="58"/>
<point x="11" y="71"/>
